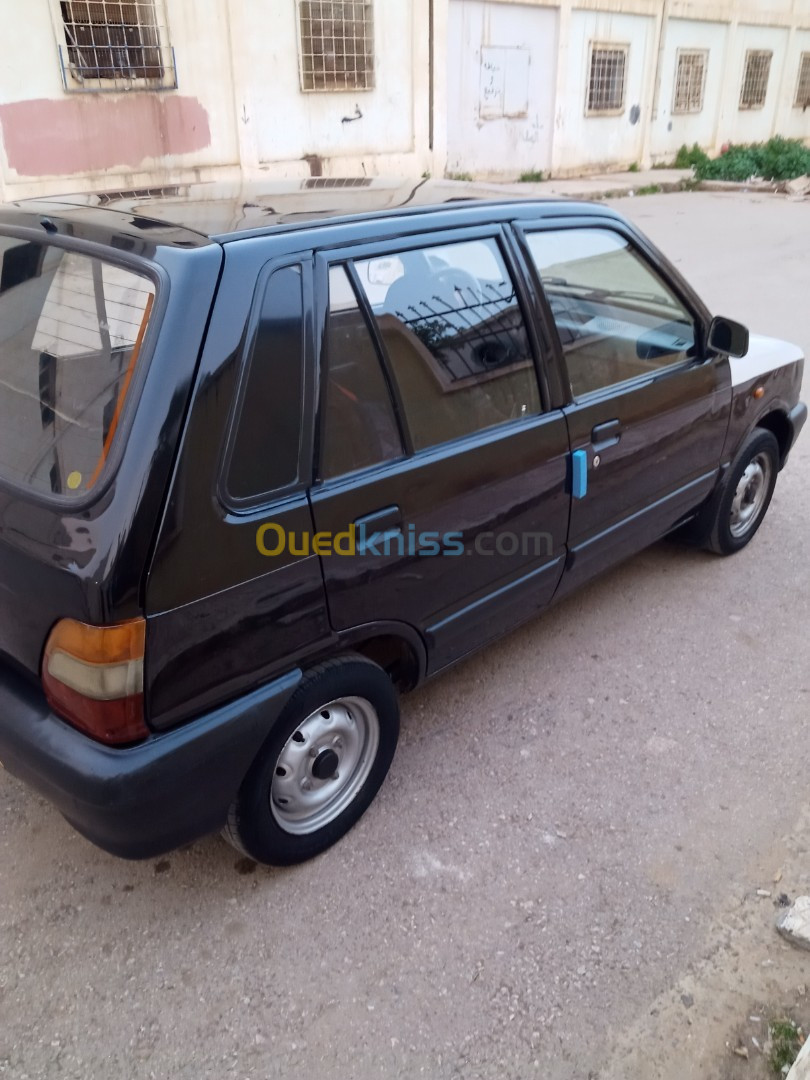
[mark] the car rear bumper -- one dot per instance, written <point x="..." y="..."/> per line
<point x="149" y="798"/>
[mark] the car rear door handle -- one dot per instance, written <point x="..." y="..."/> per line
<point x="606" y="434"/>
<point x="376" y="527"/>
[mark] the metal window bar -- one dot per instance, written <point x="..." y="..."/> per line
<point x="607" y="78"/>
<point x="458" y="335"/>
<point x="803" y="85"/>
<point x="754" y="89"/>
<point x="336" y="44"/>
<point x="116" y="45"/>
<point x="689" y="82"/>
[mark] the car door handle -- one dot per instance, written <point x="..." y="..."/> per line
<point x="377" y="526"/>
<point x="606" y="434"/>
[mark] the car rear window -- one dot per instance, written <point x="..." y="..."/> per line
<point x="71" y="330"/>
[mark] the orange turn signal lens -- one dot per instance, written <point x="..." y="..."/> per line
<point x="93" y="677"/>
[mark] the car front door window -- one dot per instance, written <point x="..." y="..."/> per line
<point x="615" y="317"/>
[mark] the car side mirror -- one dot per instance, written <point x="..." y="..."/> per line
<point x="728" y="337"/>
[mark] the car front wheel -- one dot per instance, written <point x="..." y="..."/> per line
<point x="746" y="493"/>
<point x="321" y="765"/>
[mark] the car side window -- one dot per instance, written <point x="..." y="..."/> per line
<point x="455" y="338"/>
<point x="266" y="445"/>
<point x="360" y="428"/>
<point x="616" y="318"/>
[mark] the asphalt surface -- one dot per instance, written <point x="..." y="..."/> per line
<point x="566" y="816"/>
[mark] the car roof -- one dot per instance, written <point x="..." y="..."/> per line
<point x="221" y="211"/>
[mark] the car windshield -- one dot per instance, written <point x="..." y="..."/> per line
<point x="71" y="329"/>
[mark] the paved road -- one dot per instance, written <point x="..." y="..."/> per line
<point x="566" y="815"/>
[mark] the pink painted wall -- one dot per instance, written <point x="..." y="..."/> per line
<point x="89" y="134"/>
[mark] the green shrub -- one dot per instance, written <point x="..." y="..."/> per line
<point x="459" y="176"/>
<point x="777" y="159"/>
<point x="688" y="159"/>
<point x="533" y="176"/>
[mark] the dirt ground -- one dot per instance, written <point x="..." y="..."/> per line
<point x="559" y="879"/>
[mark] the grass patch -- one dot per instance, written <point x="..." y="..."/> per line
<point x="633" y="167"/>
<point x="459" y="176"/>
<point x="786" y="1042"/>
<point x="649" y="189"/>
<point x="533" y="176"/>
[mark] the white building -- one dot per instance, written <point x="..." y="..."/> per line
<point x="111" y="95"/>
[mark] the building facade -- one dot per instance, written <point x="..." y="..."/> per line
<point x="133" y="94"/>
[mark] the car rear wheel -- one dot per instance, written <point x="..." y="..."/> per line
<point x="321" y="765"/>
<point x="746" y="494"/>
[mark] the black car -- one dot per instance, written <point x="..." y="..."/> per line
<point x="270" y="456"/>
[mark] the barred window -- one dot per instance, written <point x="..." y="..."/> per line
<point x="606" y="87"/>
<point x="116" y="45"/>
<point x="803" y="85"/>
<point x="755" y="80"/>
<point x="336" y="44"/>
<point x="690" y="80"/>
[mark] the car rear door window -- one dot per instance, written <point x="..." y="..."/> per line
<point x="616" y="318"/>
<point x="266" y="447"/>
<point x="455" y="338"/>
<point x="359" y="428"/>
<point x="71" y="331"/>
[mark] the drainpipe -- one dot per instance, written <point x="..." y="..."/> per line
<point x="439" y="19"/>
<point x="786" y="88"/>
<point x="563" y="103"/>
<point x="655" y="95"/>
<point x="729" y="91"/>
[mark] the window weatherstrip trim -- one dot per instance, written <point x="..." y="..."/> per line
<point x="382" y="357"/>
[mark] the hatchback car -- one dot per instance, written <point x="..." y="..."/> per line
<point x="270" y="456"/>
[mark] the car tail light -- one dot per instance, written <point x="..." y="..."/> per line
<point x="93" y="677"/>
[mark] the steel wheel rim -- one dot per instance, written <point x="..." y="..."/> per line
<point x="749" y="497"/>
<point x="306" y="793"/>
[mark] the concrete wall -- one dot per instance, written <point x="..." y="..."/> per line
<point x="596" y="142"/>
<point x="672" y="130"/>
<point x="502" y="72"/>
<point x="490" y="87"/>
<point x="790" y="120"/>
<point x="284" y="126"/>
<point x="239" y="105"/>
<point x="752" y="125"/>
<point x="55" y="141"/>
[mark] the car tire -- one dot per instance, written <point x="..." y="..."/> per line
<point x="321" y="765"/>
<point x="745" y="495"/>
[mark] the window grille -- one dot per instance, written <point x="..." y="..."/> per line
<point x="336" y="44"/>
<point x="755" y="81"/>
<point x="690" y="81"/>
<point x="803" y="85"/>
<point x="607" y="79"/>
<point x="116" y="45"/>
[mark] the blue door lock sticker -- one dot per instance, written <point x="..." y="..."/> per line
<point x="579" y="474"/>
